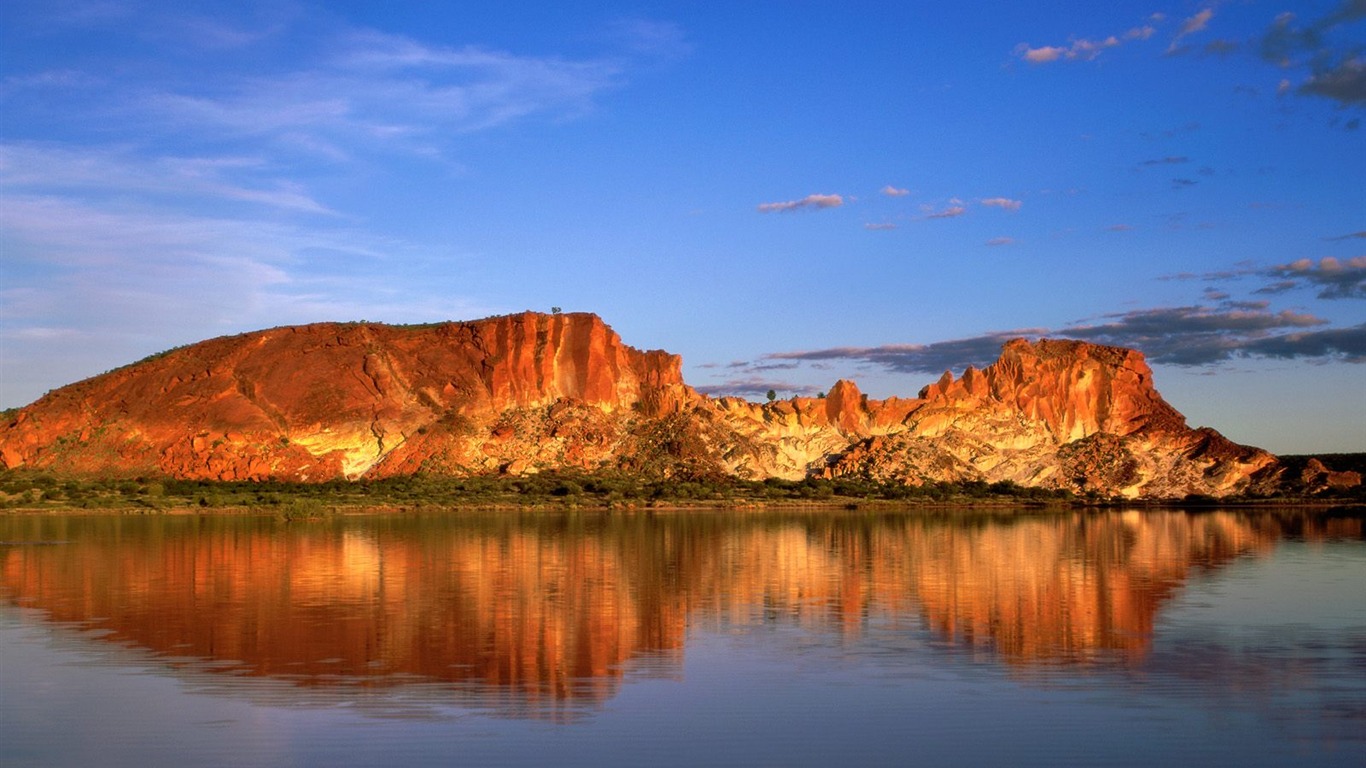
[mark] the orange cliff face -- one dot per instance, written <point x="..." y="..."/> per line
<point x="529" y="392"/>
<point x="321" y="401"/>
<point x="1070" y="388"/>
<point x="1054" y="414"/>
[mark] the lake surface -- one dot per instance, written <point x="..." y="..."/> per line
<point x="707" y="638"/>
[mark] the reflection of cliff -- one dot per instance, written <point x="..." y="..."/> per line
<point x="550" y="608"/>
<point x="351" y="604"/>
<point x="1066" y="589"/>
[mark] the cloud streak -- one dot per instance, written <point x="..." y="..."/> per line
<point x="1081" y="49"/>
<point x="1337" y="71"/>
<point x="917" y="358"/>
<point x="755" y="387"/>
<point x="810" y="202"/>
<point x="1189" y="336"/>
<point x="1190" y="26"/>
<point x="184" y="193"/>
<point x="1335" y="278"/>
<point x="1170" y="160"/>
<point x="84" y="171"/>
<point x="1003" y="203"/>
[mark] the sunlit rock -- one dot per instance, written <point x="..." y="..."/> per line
<point x="531" y="392"/>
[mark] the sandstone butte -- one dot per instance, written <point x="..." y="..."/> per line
<point x="531" y="392"/>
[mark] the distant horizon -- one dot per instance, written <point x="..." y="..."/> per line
<point x="782" y="195"/>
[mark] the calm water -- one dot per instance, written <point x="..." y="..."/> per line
<point x="706" y="639"/>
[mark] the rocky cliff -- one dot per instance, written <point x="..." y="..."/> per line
<point x="528" y="392"/>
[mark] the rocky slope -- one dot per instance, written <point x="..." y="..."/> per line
<point x="529" y="392"/>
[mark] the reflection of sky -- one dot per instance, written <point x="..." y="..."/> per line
<point x="1319" y="585"/>
<point x="771" y="693"/>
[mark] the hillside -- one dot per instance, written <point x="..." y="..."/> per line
<point x="530" y="392"/>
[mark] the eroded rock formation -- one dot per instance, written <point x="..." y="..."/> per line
<point x="529" y="392"/>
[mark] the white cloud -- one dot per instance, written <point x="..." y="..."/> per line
<point x="186" y="193"/>
<point x="1082" y="49"/>
<point x="51" y="168"/>
<point x="1190" y="26"/>
<point x="1086" y="49"/>
<point x="95" y="284"/>
<point x="891" y="191"/>
<point x="954" y="208"/>
<point x="947" y="213"/>
<point x="1003" y="203"/>
<point x="1197" y="22"/>
<point x="1041" y="55"/>
<point x="391" y="93"/>
<point x="815" y="201"/>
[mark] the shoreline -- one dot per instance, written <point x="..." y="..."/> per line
<point x="322" y="510"/>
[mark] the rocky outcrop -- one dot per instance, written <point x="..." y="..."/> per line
<point x="523" y="393"/>
<point x="322" y="401"/>
<point x="1053" y="414"/>
<point x="1317" y="478"/>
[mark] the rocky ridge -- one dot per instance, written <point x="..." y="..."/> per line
<point x="530" y="392"/>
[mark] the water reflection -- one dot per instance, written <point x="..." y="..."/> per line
<point x="538" y="615"/>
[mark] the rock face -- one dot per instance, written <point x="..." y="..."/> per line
<point x="322" y="401"/>
<point x="523" y="393"/>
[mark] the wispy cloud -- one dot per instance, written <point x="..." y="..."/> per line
<point x="997" y="242"/>
<point x="74" y="170"/>
<point x="1185" y="336"/>
<point x="810" y="202"/>
<point x="1083" y="49"/>
<point x="1169" y="160"/>
<point x="952" y="209"/>
<point x="115" y="280"/>
<point x="755" y="387"/>
<point x="387" y="91"/>
<point x="891" y="191"/>
<point x="1337" y="70"/>
<point x="1335" y="278"/>
<point x="1197" y="22"/>
<point x="356" y="91"/>
<point x="1344" y="82"/>
<point x="177" y="202"/>
<point x="1193" y="335"/>
<point x="1190" y="26"/>
<point x="1218" y="329"/>
<point x="1003" y="203"/>
<point x="1222" y="48"/>
<point x="880" y="226"/>
<point x="917" y="358"/>
<point x="653" y="38"/>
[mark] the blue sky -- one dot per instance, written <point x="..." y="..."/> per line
<point x="782" y="193"/>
